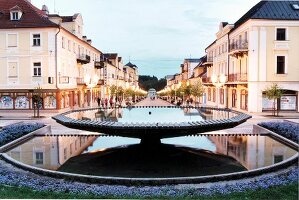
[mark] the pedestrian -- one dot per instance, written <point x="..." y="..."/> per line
<point x="99" y="101"/>
<point x="111" y="101"/>
<point x="106" y="102"/>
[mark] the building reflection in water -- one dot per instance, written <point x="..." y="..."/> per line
<point x="252" y="151"/>
<point x="50" y="152"/>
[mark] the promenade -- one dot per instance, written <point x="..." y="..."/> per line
<point x="156" y="102"/>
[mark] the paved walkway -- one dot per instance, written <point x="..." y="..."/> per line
<point x="156" y="102"/>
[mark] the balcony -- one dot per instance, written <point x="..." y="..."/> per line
<point x="209" y="61"/>
<point x="99" y="64"/>
<point x="83" y="59"/>
<point x="206" y="80"/>
<point x="238" y="48"/>
<point x="237" y="77"/>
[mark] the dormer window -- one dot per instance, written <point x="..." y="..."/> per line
<point x="15" y="16"/>
<point x="15" y="13"/>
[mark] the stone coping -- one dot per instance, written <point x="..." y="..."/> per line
<point x="160" y="130"/>
<point x="151" y="181"/>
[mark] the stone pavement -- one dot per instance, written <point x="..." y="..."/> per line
<point x="156" y="102"/>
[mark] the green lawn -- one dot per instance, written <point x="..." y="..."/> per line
<point x="289" y="192"/>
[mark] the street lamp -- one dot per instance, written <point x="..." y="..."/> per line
<point x="91" y="82"/>
<point x="218" y="81"/>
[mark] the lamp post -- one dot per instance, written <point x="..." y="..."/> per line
<point x="218" y="81"/>
<point x="91" y="82"/>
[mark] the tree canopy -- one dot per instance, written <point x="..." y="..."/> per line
<point x="148" y="82"/>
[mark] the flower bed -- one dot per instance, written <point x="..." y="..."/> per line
<point x="286" y="129"/>
<point x="16" y="177"/>
<point x="15" y="131"/>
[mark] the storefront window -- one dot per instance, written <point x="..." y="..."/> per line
<point x="6" y="102"/>
<point x="22" y="102"/>
<point x="50" y="102"/>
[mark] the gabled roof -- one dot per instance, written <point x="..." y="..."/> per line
<point x="202" y="60"/>
<point x="129" y="64"/>
<point x="192" y="60"/>
<point x="274" y="10"/>
<point x="32" y="17"/>
<point x="110" y="55"/>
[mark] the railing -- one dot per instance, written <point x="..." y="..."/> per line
<point x="238" y="45"/>
<point x="209" y="59"/>
<point x="206" y="80"/>
<point x="84" y="59"/>
<point x="237" y="77"/>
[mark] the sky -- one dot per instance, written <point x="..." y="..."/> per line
<point x="156" y="35"/>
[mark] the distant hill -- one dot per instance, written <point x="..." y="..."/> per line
<point x="148" y="82"/>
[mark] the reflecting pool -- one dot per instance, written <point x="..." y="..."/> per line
<point x="151" y="115"/>
<point x="177" y="157"/>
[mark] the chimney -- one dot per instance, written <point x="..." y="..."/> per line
<point x="84" y="38"/>
<point x="89" y="41"/>
<point x="45" y="9"/>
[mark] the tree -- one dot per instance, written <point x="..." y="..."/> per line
<point x="273" y="92"/>
<point x="113" y="90"/>
<point x="197" y="89"/>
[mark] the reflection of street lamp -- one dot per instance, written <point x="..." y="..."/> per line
<point x="218" y="82"/>
<point x="91" y="82"/>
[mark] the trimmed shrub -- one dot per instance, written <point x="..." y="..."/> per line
<point x="285" y="129"/>
<point x="15" y="131"/>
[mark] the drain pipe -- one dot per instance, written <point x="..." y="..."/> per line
<point x="56" y="59"/>
<point x="228" y="64"/>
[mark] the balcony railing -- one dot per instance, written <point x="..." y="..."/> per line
<point x="238" y="45"/>
<point x="206" y="80"/>
<point x="83" y="59"/>
<point x="209" y="59"/>
<point x="237" y="77"/>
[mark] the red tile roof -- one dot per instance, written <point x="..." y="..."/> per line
<point x="32" y="17"/>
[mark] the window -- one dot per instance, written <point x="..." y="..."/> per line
<point x="246" y="39"/>
<point x="214" y="95"/>
<point x="71" y="148"/>
<point x="39" y="158"/>
<point x="244" y="99"/>
<point x="15" y="15"/>
<point x="209" y="94"/>
<point x="12" y="70"/>
<point x="12" y="40"/>
<point x="36" y="39"/>
<point x="234" y="98"/>
<point x="63" y="42"/>
<point x="69" y="45"/>
<point x="74" y="47"/>
<point x="280" y="65"/>
<point x="65" y="153"/>
<point x="281" y="34"/>
<point x="37" y="70"/>
<point x="221" y="96"/>
<point x="278" y="158"/>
